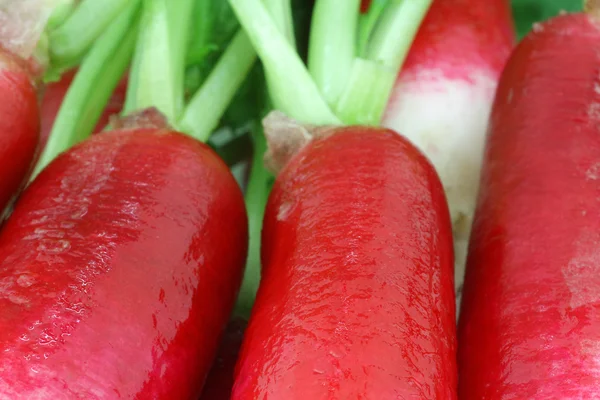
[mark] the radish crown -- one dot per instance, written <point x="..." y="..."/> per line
<point x="353" y="59"/>
<point x="592" y="7"/>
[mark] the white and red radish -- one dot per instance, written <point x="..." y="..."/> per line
<point x="529" y="326"/>
<point x="443" y="96"/>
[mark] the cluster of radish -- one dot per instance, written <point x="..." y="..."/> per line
<point x="413" y="144"/>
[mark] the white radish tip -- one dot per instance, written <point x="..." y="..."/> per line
<point x="22" y="23"/>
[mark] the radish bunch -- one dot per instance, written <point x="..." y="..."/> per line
<point x="248" y="199"/>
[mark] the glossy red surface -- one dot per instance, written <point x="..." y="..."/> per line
<point x="357" y="299"/>
<point x="460" y="35"/>
<point x="530" y="317"/>
<point x="219" y="381"/>
<point x="120" y="267"/>
<point x="19" y="126"/>
<point x="53" y="97"/>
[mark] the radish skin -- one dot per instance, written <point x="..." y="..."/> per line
<point x="530" y="319"/>
<point x="121" y="264"/>
<point x="356" y="298"/>
<point x="443" y="96"/>
<point x="19" y="126"/>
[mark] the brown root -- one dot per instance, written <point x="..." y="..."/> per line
<point x="149" y="118"/>
<point x="592" y="8"/>
<point x="286" y="137"/>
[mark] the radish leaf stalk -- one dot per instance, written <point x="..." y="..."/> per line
<point x="367" y="23"/>
<point x="291" y="87"/>
<point x="256" y="197"/>
<point x="154" y="76"/>
<point x="208" y="104"/>
<point x="93" y="85"/>
<point x="70" y="41"/>
<point x="366" y="94"/>
<point x="332" y="46"/>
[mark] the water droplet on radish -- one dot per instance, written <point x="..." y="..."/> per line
<point x="25" y="280"/>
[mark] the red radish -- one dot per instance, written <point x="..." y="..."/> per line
<point x="444" y="94"/>
<point x="220" y="379"/>
<point x="356" y="298"/>
<point x="120" y="267"/>
<point x="530" y="321"/>
<point x="19" y="125"/>
<point x="54" y="94"/>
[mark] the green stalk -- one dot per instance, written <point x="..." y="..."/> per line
<point x="371" y="81"/>
<point x="281" y="12"/>
<point x="257" y="194"/>
<point x="368" y="90"/>
<point x="208" y="104"/>
<point x="333" y="45"/>
<point x="291" y="87"/>
<point x="367" y="23"/>
<point x="158" y="66"/>
<point x="71" y="40"/>
<point x="202" y="27"/>
<point x="60" y="14"/>
<point x="94" y="83"/>
<point x="395" y="33"/>
<point x="180" y="13"/>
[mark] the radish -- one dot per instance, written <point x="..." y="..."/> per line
<point x="54" y="94"/>
<point x="443" y="96"/>
<point x="21" y="27"/>
<point x="19" y="125"/>
<point x="352" y="65"/>
<point x="530" y="318"/>
<point x="356" y="297"/>
<point x="220" y="379"/>
<point x="122" y="259"/>
<point x="110" y="260"/>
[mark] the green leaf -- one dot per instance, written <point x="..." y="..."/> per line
<point x="528" y="12"/>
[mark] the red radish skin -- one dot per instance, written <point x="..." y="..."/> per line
<point x="19" y="126"/>
<point x="443" y="97"/>
<point x="356" y="299"/>
<point x="54" y="94"/>
<point x="120" y="267"/>
<point x="220" y="379"/>
<point x="530" y="321"/>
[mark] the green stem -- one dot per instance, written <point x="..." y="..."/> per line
<point x="396" y="31"/>
<point x="371" y="81"/>
<point x="71" y="40"/>
<point x="257" y="194"/>
<point x="199" y="46"/>
<point x="157" y="69"/>
<point x="368" y="22"/>
<point x="367" y="92"/>
<point x="291" y="87"/>
<point x="333" y="45"/>
<point x="96" y="79"/>
<point x="208" y="104"/>
<point x="180" y="12"/>
<point x="60" y="14"/>
<point x="281" y="12"/>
